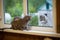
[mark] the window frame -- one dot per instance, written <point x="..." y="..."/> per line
<point x="25" y="10"/>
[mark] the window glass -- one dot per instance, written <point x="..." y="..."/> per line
<point x="41" y="13"/>
<point x="12" y="8"/>
<point x="39" y="10"/>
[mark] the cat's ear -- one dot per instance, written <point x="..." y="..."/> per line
<point x="16" y="18"/>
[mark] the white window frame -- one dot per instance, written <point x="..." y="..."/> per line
<point x="25" y="13"/>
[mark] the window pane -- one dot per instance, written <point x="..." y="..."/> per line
<point x="12" y="8"/>
<point x="41" y="12"/>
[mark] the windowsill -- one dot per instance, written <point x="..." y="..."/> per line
<point x="35" y="28"/>
<point x="31" y="32"/>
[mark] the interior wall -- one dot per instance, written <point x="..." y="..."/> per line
<point x="1" y="21"/>
<point x="58" y="16"/>
<point x="16" y="36"/>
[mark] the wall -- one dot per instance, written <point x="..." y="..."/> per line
<point x="1" y="22"/>
<point x="16" y="36"/>
<point x="58" y="16"/>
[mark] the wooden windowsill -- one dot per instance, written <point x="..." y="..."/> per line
<point x="31" y="32"/>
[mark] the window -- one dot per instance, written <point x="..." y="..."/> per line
<point x="41" y="11"/>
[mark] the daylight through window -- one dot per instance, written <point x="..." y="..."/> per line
<point x="39" y="10"/>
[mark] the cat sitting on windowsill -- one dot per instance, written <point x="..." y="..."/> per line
<point x="20" y="24"/>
